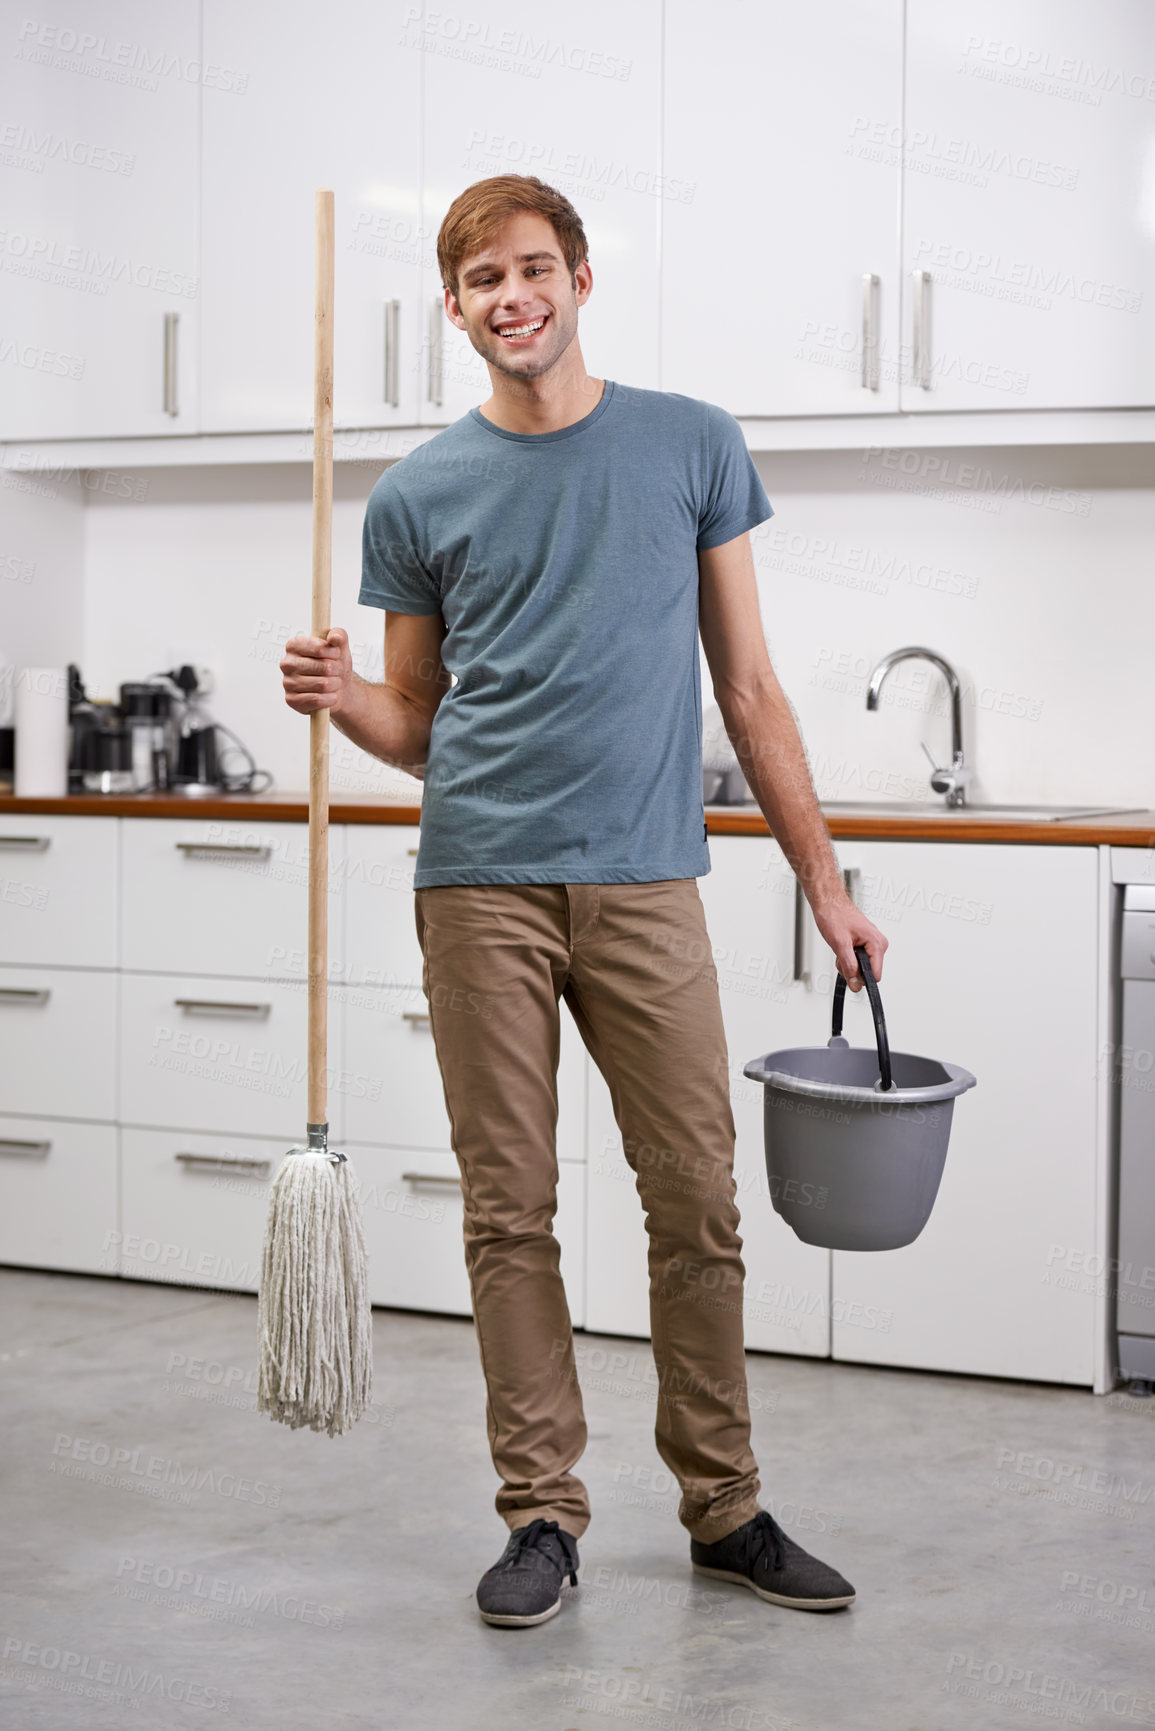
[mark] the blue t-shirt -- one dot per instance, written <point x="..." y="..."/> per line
<point x="565" y="567"/>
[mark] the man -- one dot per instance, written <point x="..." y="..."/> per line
<point x="557" y="550"/>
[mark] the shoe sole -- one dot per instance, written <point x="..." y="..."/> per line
<point x="500" y="1620"/>
<point x="774" y="1598"/>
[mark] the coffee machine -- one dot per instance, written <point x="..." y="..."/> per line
<point x="159" y="738"/>
<point x="209" y="758"/>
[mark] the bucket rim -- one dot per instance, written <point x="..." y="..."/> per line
<point x="766" y="1071"/>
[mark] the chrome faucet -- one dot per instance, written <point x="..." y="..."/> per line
<point x="953" y="780"/>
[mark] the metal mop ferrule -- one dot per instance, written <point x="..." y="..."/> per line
<point x="318" y="1143"/>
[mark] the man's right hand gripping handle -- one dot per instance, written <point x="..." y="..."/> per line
<point x="317" y="671"/>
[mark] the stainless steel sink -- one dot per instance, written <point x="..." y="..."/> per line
<point x="976" y="812"/>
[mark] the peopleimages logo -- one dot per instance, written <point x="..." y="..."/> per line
<point x="89" y="1675"/>
<point x="160" y="1469"/>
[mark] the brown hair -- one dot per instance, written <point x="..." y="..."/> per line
<point x="478" y="212"/>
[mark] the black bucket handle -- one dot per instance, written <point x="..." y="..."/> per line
<point x="871" y="984"/>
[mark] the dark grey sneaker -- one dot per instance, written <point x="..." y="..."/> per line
<point x="524" y="1585"/>
<point x="760" y="1555"/>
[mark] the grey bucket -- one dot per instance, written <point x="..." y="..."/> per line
<point x="856" y="1139"/>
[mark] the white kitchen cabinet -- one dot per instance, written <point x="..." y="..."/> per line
<point x="223" y="896"/>
<point x="572" y="98"/>
<point x="194" y="1207"/>
<point x="58" y="1040"/>
<point x="58" y="1194"/>
<point x="333" y="100"/>
<point x="394" y="1089"/>
<point x="381" y="946"/>
<point x="99" y="187"/>
<point x="411" y="1207"/>
<point x="749" y="900"/>
<point x="58" y="890"/>
<point x="221" y="1054"/>
<point x="779" y="204"/>
<point x="1027" y="201"/>
<point x="993" y="964"/>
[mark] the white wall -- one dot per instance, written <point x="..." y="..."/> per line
<point x="1029" y="569"/>
<point x="41" y="573"/>
<point x="212" y="566"/>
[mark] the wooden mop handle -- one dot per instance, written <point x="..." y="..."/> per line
<point x="319" y="720"/>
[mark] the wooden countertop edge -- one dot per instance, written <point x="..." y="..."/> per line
<point x="351" y="809"/>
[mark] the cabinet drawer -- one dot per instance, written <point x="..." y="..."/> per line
<point x="57" y="1194"/>
<point x="218" y="1054"/>
<point x="223" y="897"/>
<point x="381" y="947"/>
<point x="58" y="900"/>
<point x="412" y="1210"/>
<point x="392" y="1084"/>
<point x="58" y="1039"/>
<point x="193" y="1207"/>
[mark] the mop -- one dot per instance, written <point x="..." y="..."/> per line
<point x="315" y="1322"/>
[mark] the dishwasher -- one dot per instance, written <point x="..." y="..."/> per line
<point x="1135" y="1292"/>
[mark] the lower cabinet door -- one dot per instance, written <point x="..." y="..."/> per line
<point x="412" y="1209"/>
<point x="391" y="1081"/>
<point x="222" y="1055"/>
<point x="57" y="1194"/>
<point x="58" y="1042"/>
<point x="193" y="1207"/>
<point x="993" y="964"/>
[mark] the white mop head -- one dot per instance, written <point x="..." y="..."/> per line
<point x="316" y="1365"/>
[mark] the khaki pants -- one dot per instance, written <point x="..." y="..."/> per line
<point x="633" y="962"/>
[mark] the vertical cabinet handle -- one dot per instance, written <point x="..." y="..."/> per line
<point x="801" y="970"/>
<point x="852" y="878"/>
<point x="171" y="345"/>
<point x="392" y="353"/>
<point x="920" y="355"/>
<point x="869" y="331"/>
<point x="436" y="327"/>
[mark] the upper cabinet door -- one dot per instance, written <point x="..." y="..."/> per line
<point x="331" y="100"/>
<point x="780" y="237"/>
<point x="99" y="195"/>
<point x="571" y="96"/>
<point x="1029" y="198"/>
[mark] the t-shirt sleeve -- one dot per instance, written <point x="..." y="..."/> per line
<point x="392" y="573"/>
<point x="734" y="498"/>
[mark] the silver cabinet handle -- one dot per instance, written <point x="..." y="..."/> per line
<point x="801" y="971"/>
<point x="191" y="849"/>
<point x="25" y="843"/>
<point x="23" y="995"/>
<point x="920" y="351"/>
<point x="9" y="1145"/>
<point x="869" y="332"/>
<point x="852" y="878"/>
<point x="211" y="1007"/>
<point x="392" y="353"/>
<point x="436" y="327"/>
<point x="239" y="1163"/>
<point x="417" y="1017"/>
<point x="171" y="344"/>
<point x="429" y="1178"/>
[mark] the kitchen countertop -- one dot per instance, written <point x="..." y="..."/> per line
<point x="1123" y="829"/>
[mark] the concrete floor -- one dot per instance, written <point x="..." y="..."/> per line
<point x="1001" y="1537"/>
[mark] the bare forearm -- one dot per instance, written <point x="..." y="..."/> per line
<point x="384" y="723"/>
<point x="765" y="737"/>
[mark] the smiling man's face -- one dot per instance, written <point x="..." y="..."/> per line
<point x="515" y="300"/>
